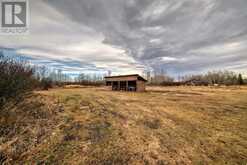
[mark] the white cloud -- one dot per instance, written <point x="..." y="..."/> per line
<point x="54" y="36"/>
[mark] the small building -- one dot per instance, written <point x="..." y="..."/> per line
<point x="132" y="82"/>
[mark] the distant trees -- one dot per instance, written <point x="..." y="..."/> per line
<point x="221" y="78"/>
<point x="89" y="79"/>
<point x="158" y="78"/>
<point x="215" y="78"/>
<point x="161" y="79"/>
<point x="48" y="78"/>
<point x="58" y="76"/>
<point x="210" y="78"/>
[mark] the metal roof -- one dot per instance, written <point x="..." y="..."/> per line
<point x="130" y="75"/>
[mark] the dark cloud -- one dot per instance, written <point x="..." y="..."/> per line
<point x="178" y="27"/>
<point x="181" y="36"/>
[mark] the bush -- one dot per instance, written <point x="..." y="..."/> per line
<point x="46" y="83"/>
<point x="16" y="79"/>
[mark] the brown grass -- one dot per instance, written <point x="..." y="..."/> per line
<point x="173" y="125"/>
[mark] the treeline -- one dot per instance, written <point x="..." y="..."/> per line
<point x="58" y="78"/>
<point x="90" y="79"/>
<point x="18" y="78"/>
<point x="215" y="78"/>
<point x="211" y="78"/>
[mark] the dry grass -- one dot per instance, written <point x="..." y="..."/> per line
<point x="173" y="125"/>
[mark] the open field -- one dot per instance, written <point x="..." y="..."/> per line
<point x="165" y="125"/>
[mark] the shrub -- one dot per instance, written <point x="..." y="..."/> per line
<point x="16" y="79"/>
<point x="46" y="83"/>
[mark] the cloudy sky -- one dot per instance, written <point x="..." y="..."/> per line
<point x="129" y="36"/>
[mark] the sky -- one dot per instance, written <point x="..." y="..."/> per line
<point x="131" y="36"/>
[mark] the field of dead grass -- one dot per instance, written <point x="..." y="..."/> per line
<point x="165" y="125"/>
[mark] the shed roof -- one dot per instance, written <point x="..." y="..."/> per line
<point x="137" y="76"/>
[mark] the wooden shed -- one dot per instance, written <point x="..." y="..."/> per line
<point x="132" y="82"/>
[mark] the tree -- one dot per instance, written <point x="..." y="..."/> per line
<point x="240" y="79"/>
<point x="46" y="83"/>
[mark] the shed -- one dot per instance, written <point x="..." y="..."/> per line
<point x="132" y="82"/>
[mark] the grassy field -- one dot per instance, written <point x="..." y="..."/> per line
<point x="165" y="125"/>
